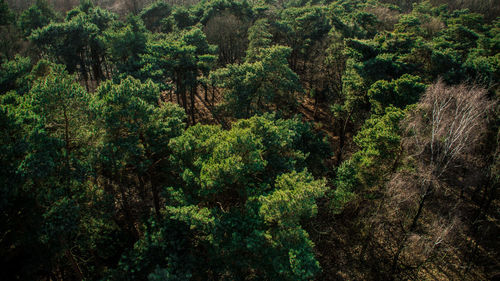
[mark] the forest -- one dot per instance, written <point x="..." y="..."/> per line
<point x="249" y="140"/>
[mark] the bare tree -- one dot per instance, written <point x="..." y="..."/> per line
<point x="447" y="124"/>
<point x="135" y="6"/>
<point x="442" y="134"/>
<point x="230" y="34"/>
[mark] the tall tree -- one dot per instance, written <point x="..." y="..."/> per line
<point x="243" y="192"/>
<point x="263" y="83"/>
<point x="37" y="16"/>
<point x="135" y="129"/>
<point x="182" y="61"/>
<point x="154" y="15"/>
<point x="443" y="131"/>
<point x="125" y="46"/>
<point x="77" y="42"/>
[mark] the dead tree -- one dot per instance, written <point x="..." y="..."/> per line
<point x="442" y="132"/>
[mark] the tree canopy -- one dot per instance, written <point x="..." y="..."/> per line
<point x="249" y="140"/>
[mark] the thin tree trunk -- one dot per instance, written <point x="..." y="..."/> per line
<point x="142" y="187"/>
<point x="156" y="199"/>
<point x="72" y="261"/>
<point x="67" y="146"/>
<point x="127" y="208"/>
<point x="407" y="233"/>
<point x="205" y="87"/>
<point x="192" y="110"/>
<point x="342" y="139"/>
<point x="315" y="106"/>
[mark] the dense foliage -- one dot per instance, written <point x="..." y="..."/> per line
<point x="249" y="140"/>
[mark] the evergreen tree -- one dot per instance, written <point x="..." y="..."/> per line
<point x="37" y="16"/>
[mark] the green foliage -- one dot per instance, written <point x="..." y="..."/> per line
<point x="253" y="88"/>
<point x="399" y="93"/>
<point x="290" y="143"/>
<point x="37" y="16"/>
<point x="54" y="98"/>
<point x="12" y="148"/>
<point x="428" y="43"/>
<point x="293" y="200"/>
<point x="49" y="175"/>
<point x="279" y="137"/>
<point x="6" y="16"/>
<point x="77" y="42"/>
<point x="207" y="9"/>
<point x="10" y="36"/>
<point x="13" y="74"/>
<point x="17" y="76"/>
<point x="182" y="60"/>
<point x="483" y="62"/>
<point x="102" y="179"/>
<point x="353" y="18"/>
<point x="233" y="191"/>
<point x="163" y="253"/>
<point x="346" y="184"/>
<point x="223" y="171"/>
<point x="128" y="139"/>
<point x="56" y="108"/>
<point x="19" y="222"/>
<point x="178" y="59"/>
<point x="301" y="28"/>
<point x="246" y="179"/>
<point x="379" y="151"/>
<point x="182" y="17"/>
<point x="379" y="143"/>
<point x="126" y="44"/>
<point x="153" y="15"/>
<point x="259" y="38"/>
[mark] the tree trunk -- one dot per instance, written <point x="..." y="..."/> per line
<point x="156" y="199"/>
<point x="407" y="233"/>
<point x="192" y="110"/>
<point x="342" y="139"/>
<point x="72" y="261"/>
